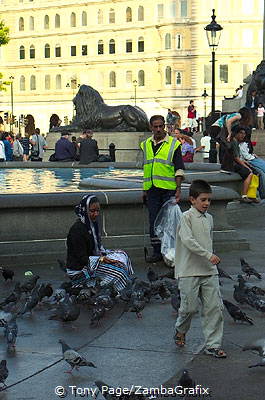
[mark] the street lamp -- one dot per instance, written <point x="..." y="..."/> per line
<point x="204" y="95"/>
<point x="213" y="32"/>
<point x="135" y="86"/>
<point x="12" y="104"/>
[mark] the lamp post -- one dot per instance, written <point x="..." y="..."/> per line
<point x="213" y="32"/>
<point x="204" y="95"/>
<point x="135" y="86"/>
<point x="12" y="103"/>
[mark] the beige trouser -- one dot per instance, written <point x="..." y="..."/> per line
<point x="260" y="123"/>
<point x="205" y="288"/>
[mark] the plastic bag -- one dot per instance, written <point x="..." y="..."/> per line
<point x="165" y="226"/>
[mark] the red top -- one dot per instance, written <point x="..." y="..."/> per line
<point x="191" y="112"/>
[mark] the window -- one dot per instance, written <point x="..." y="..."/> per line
<point x="47" y="82"/>
<point x="247" y="38"/>
<point x="84" y="18"/>
<point x="22" y="83"/>
<point x="84" y="50"/>
<point x="112" y="46"/>
<point x="178" y="78"/>
<point x="100" y="47"/>
<point x="207" y="73"/>
<point x="128" y="14"/>
<point x="46" y="22"/>
<point x="128" y="77"/>
<point x="140" y="44"/>
<point x="141" y="78"/>
<point x="32" y="51"/>
<point x="112" y="79"/>
<point x="168" y="75"/>
<point x="58" y="82"/>
<point x="168" y="41"/>
<point x="57" y="21"/>
<point x="111" y="16"/>
<point x="178" y="41"/>
<point x="58" y="51"/>
<point x="128" y="46"/>
<point x="160" y="10"/>
<point x="247" y="70"/>
<point x="31" y="23"/>
<point x="100" y="17"/>
<point x="73" y="51"/>
<point x="140" y="13"/>
<point x="173" y="9"/>
<point x="223" y="73"/>
<point x="73" y="20"/>
<point x="33" y="82"/>
<point x="22" y="53"/>
<point x="47" y="51"/>
<point x="183" y="8"/>
<point x="21" y="24"/>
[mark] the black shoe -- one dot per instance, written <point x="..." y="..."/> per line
<point x="154" y="258"/>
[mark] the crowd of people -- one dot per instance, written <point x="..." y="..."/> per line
<point x="18" y="148"/>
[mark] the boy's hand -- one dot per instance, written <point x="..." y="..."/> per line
<point x="215" y="259"/>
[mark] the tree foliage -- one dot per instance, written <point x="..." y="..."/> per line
<point x="4" y="33"/>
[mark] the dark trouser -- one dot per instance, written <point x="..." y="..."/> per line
<point x="156" y="197"/>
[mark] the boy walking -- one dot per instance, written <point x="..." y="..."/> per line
<point x="197" y="273"/>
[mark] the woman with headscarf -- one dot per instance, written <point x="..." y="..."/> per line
<point x="86" y="257"/>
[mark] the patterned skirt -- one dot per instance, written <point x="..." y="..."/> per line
<point x="118" y="272"/>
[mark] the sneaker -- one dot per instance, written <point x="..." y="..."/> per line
<point x="154" y="258"/>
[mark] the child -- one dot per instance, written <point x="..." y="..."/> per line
<point x="195" y="267"/>
<point x="260" y="115"/>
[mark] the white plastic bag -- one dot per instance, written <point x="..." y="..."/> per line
<point x="165" y="228"/>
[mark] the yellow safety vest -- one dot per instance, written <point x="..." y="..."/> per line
<point x="159" y="169"/>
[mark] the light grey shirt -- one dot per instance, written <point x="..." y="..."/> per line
<point x="194" y="245"/>
<point x="42" y="143"/>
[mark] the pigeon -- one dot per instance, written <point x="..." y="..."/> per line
<point x="259" y="346"/>
<point x="223" y="274"/>
<point x="3" y="372"/>
<point x="250" y="288"/>
<point x="152" y="275"/>
<point x="236" y="313"/>
<point x="30" y="283"/>
<point x="62" y="265"/>
<point x="67" y="310"/>
<point x="170" y="274"/>
<point x="136" y="303"/>
<point x="185" y="380"/>
<point x="45" y="291"/>
<point x="239" y="295"/>
<point x="31" y="302"/>
<point x="10" y="333"/>
<point x="98" y="313"/>
<point x="106" y="301"/>
<point x="7" y="273"/>
<point x="73" y="358"/>
<point x="13" y="297"/>
<point x="248" y="270"/>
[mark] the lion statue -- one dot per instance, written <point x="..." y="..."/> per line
<point x="93" y="113"/>
<point x="257" y="83"/>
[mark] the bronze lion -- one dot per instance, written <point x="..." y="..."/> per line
<point x="93" y="113"/>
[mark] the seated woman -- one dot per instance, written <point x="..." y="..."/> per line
<point x="187" y="148"/>
<point x="86" y="257"/>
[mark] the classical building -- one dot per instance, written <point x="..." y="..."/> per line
<point x="152" y="53"/>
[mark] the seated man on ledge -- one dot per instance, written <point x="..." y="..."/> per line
<point x="64" y="149"/>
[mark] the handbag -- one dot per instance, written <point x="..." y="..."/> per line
<point x="252" y="189"/>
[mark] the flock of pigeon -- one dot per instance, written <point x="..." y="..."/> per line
<point x="67" y="301"/>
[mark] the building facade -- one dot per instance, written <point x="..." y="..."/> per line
<point x="150" y="53"/>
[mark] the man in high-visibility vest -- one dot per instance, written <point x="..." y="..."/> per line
<point x="163" y="174"/>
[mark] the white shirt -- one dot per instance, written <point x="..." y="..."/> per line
<point x="2" y="150"/>
<point x="205" y="142"/>
<point x="244" y="152"/>
<point x="261" y="111"/>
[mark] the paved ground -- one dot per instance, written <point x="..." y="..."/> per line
<point x="128" y="351"/>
